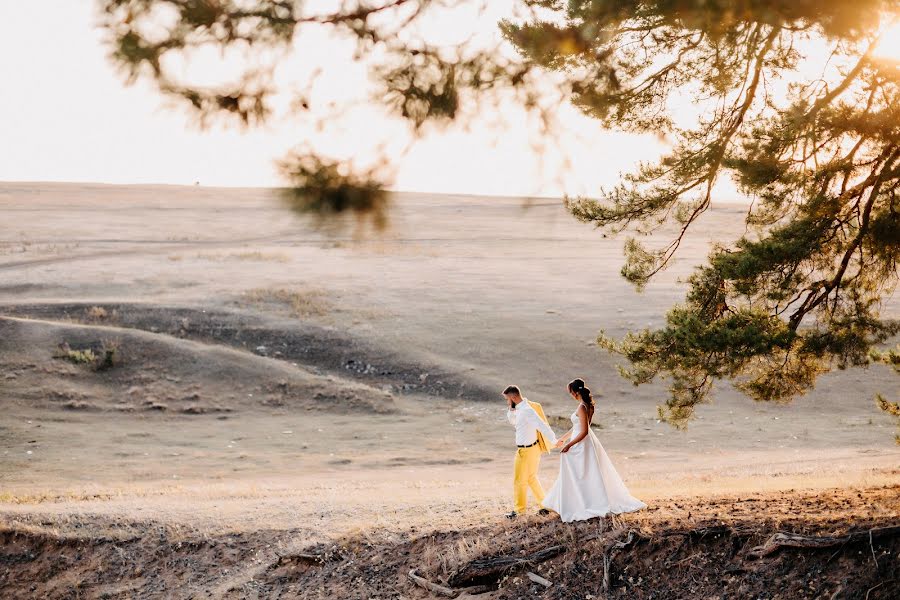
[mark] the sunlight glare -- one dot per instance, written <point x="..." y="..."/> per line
<point x="888" y="47"/>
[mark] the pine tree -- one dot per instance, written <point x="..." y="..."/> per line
<point x="812" y="136"/>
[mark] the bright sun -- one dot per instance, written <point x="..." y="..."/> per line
<point x="888" y="47"/>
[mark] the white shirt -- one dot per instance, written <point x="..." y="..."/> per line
<point x="528" y="423"/>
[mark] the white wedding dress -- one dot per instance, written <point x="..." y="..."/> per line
<point x="588" y="485"/>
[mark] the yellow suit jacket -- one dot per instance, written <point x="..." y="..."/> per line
<point x="542" y="443"/>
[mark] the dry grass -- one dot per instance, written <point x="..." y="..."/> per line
<point x="38" y="249"/>
<point x="100" y="357"/>
<point x="300" y="303"/>
<point x="97" y="313"/>
<point x="270" y="556"/>
<point x="252" y="255"/>
<point x="446" y="558"/>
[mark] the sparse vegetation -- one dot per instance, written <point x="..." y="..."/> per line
<point x="676" y="550"/>
<point x="262" y="256"/>
<point x="306" y="303"/>
<point x="78" y="405"/>
<point x="891" y="408"/>
<point x="99" y="357"/>
<point x="251" y="255"/>
<point x="564" y="422"/>
<point x="892" y="358"/>
<point x="96" y="313"/>
<point x="78" y="357"/>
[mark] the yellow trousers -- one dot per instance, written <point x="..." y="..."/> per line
<point x="525" y="475"/>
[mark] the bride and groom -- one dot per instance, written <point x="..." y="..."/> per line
<point x="588" y="485"/>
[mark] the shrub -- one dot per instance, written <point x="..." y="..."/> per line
<point x="99" y="357"/>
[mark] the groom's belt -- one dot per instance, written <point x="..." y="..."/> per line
<point x="529" y="445"/>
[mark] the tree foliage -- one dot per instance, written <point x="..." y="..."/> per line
<point x="811" y="137"/>
<point x="417" y="80"/>
<point x="788" y="99"/>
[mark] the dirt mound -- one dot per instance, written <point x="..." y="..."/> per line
<point x="105" y="368"/>
<point x="293" y="340"/>
<point x="846" y="545"/>
<point x="156" y="564"/>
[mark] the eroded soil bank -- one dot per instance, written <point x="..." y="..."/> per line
<point x="845" y="544"/>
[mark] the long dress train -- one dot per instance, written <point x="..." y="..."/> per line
<point x="588" y="485"/>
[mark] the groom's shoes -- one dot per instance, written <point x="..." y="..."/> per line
<point x="512" y="515"/>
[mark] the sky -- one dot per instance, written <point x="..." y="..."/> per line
<point x="66" y="115"/>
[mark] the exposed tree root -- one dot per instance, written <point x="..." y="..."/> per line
<point x="432" y="587"/>
<point x="491" y="569"/>
<point x="793" y="540"/>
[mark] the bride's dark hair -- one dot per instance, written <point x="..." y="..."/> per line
<point x="576" y="386"/>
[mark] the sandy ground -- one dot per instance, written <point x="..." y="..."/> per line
<point x="273" y="374"/>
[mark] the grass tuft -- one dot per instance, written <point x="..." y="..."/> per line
<point x="99" y="357"/>
<point x="305" y="303"/>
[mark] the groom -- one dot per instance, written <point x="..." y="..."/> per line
<point x="533" y="436"/>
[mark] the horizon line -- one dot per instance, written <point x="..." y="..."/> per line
<point x="558" y="198"/>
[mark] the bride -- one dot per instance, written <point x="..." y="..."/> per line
<point x="588" y="485"/>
